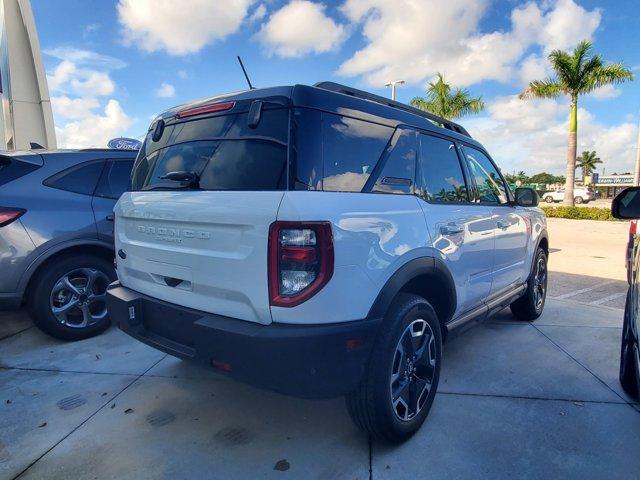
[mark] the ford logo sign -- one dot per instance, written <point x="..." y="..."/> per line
<point x="122" y="143"/>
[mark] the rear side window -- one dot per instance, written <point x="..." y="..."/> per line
<point x="115" y="179"/>
<point x="397" y="174"/>
<point x="78" y="179"/>
<point x="440" y="172"/>
<point x="351" y="149"/>
<point x="222" y="151"/>
<point x="491" y="188"/>
<point x="13" y="168"/>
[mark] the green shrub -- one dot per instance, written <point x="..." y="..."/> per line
<point x="578" y="213"/>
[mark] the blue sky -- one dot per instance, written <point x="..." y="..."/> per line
<point x="113" y="65"/>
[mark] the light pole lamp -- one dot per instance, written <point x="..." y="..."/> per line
<point x="393" y="87"/>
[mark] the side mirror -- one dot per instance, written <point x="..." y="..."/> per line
<point x="626" y="205"/>
<point x="526" y="197"/>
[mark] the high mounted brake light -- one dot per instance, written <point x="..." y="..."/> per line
<point x="300" y="261"/>
<point x="8" y="215"/>
<point x="214" y="107"/>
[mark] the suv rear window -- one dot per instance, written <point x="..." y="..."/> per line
<point x="13" y="168"/>
<point x="223" y="151"/>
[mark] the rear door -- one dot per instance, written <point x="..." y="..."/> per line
<point x="203" y="244"/>
<point x="511" y="223"/>
<point x="114" y="181"/>
<point x="462" y="232"/>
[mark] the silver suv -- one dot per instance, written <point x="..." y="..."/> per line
<point x="56" y="235"/>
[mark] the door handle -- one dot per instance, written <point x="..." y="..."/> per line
<point x="451" y="229"/>
<point x="502" y="224"/>
<point x="109" y="218"/>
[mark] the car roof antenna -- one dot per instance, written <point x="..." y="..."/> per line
<point x="251" y="87"/>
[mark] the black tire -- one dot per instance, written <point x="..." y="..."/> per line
<point x="371" y="405"/>
<point x="79" y="269"/>
<point x="531" y="304"/>
<point x="628" y="368"/>
<point x="578" y="200"/>
<point x="548" y="199"/>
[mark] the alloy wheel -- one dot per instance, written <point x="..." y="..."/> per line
<point x="78" y="298"/>
<point x="540" y="283"/>
<point x="413" y="369"/>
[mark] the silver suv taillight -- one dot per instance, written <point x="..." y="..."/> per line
<point x="300" y="261"/>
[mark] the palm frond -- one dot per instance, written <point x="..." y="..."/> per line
<point x="548" y="88"/>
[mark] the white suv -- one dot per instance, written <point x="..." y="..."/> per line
<point x="321" y="241"/>
<point x="580" y="195"/>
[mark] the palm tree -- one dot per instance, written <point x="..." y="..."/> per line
<point x="576" y="74"/>
<point x="445" y="103"/>
<point x="587" y="162"/>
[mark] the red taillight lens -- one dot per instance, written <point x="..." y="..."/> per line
<point x="633" y="226"/>
<point x="214" y="107"/>
<point x="300" y="261"/>
<point x="8" y="215"/>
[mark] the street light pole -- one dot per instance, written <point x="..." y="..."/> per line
<point x="393" y="87"/>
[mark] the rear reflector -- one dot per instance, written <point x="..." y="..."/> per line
<point x="300" y="261"/>
<point x="8" y="215"/>
<point x="214" y="107"/>
<point x="633" y="226"/>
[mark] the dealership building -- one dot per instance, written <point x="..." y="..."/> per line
<point x="26" y="119"/>
<point x="611" y="185"/>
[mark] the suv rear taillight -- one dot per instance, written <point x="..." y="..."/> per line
<point x="300" y="261"/>
<point x="633" y="226"/>
<point x="8" y="215"/>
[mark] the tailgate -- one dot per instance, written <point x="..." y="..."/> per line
<point x="205" y="250"/>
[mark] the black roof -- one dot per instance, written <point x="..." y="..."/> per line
<point x="343" y="100"/>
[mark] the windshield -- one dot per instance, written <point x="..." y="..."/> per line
<point x="222" y="152"/>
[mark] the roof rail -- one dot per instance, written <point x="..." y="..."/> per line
<point x="354" y="92"/>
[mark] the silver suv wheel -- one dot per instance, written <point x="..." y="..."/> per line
<point x="78" y="298"/>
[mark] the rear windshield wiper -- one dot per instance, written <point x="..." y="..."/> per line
<point x="188" y="179"/>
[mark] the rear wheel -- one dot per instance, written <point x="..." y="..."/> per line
<point x="398" y="388"/>
<point x="628" y="367"/>
<point x="68" y="299"/>
<point x="548" y="199"/>
<point x="531" y="304"/>
<point x="578" y="200"/>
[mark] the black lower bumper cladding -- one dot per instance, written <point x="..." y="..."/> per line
<point x="308" y="361"/>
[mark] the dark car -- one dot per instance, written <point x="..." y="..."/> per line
<point x="56" y="235"/>
<point x="627" y="206"/>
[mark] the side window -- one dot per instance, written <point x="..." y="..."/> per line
<point x="490" y="186"/>
<point x="115" y="179"/>
<point x="441" y="178"/>
<point x="397" y="175"/>
<point x="79" y="179"/>
<point x="351" y="149"/>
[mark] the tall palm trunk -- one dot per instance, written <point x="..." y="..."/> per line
<point x="571" y="153"/>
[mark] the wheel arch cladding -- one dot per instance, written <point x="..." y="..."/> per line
<point x="426" y="277"/>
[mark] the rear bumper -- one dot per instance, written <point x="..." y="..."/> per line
<point x="10" y="301"/>
<point x="309" y="361"/>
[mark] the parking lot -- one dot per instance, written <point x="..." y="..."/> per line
<point x="516" y="399"/>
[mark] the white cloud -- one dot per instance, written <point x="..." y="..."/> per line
<point x="94" y="129"/>
<point x="73" y="108"/>
<point x="414" y="40"/>
<point x="606" y="91"/>
<point x="78" y="83"/>
<point x="179" y="27"/>
<point x="532" y="136"/>
<point x="299" y="28"/>
<point x="165" y="90"/>
<point x="258" y="13"/>
<point x="183" y="74"/>
<point x="86" y="58"/>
